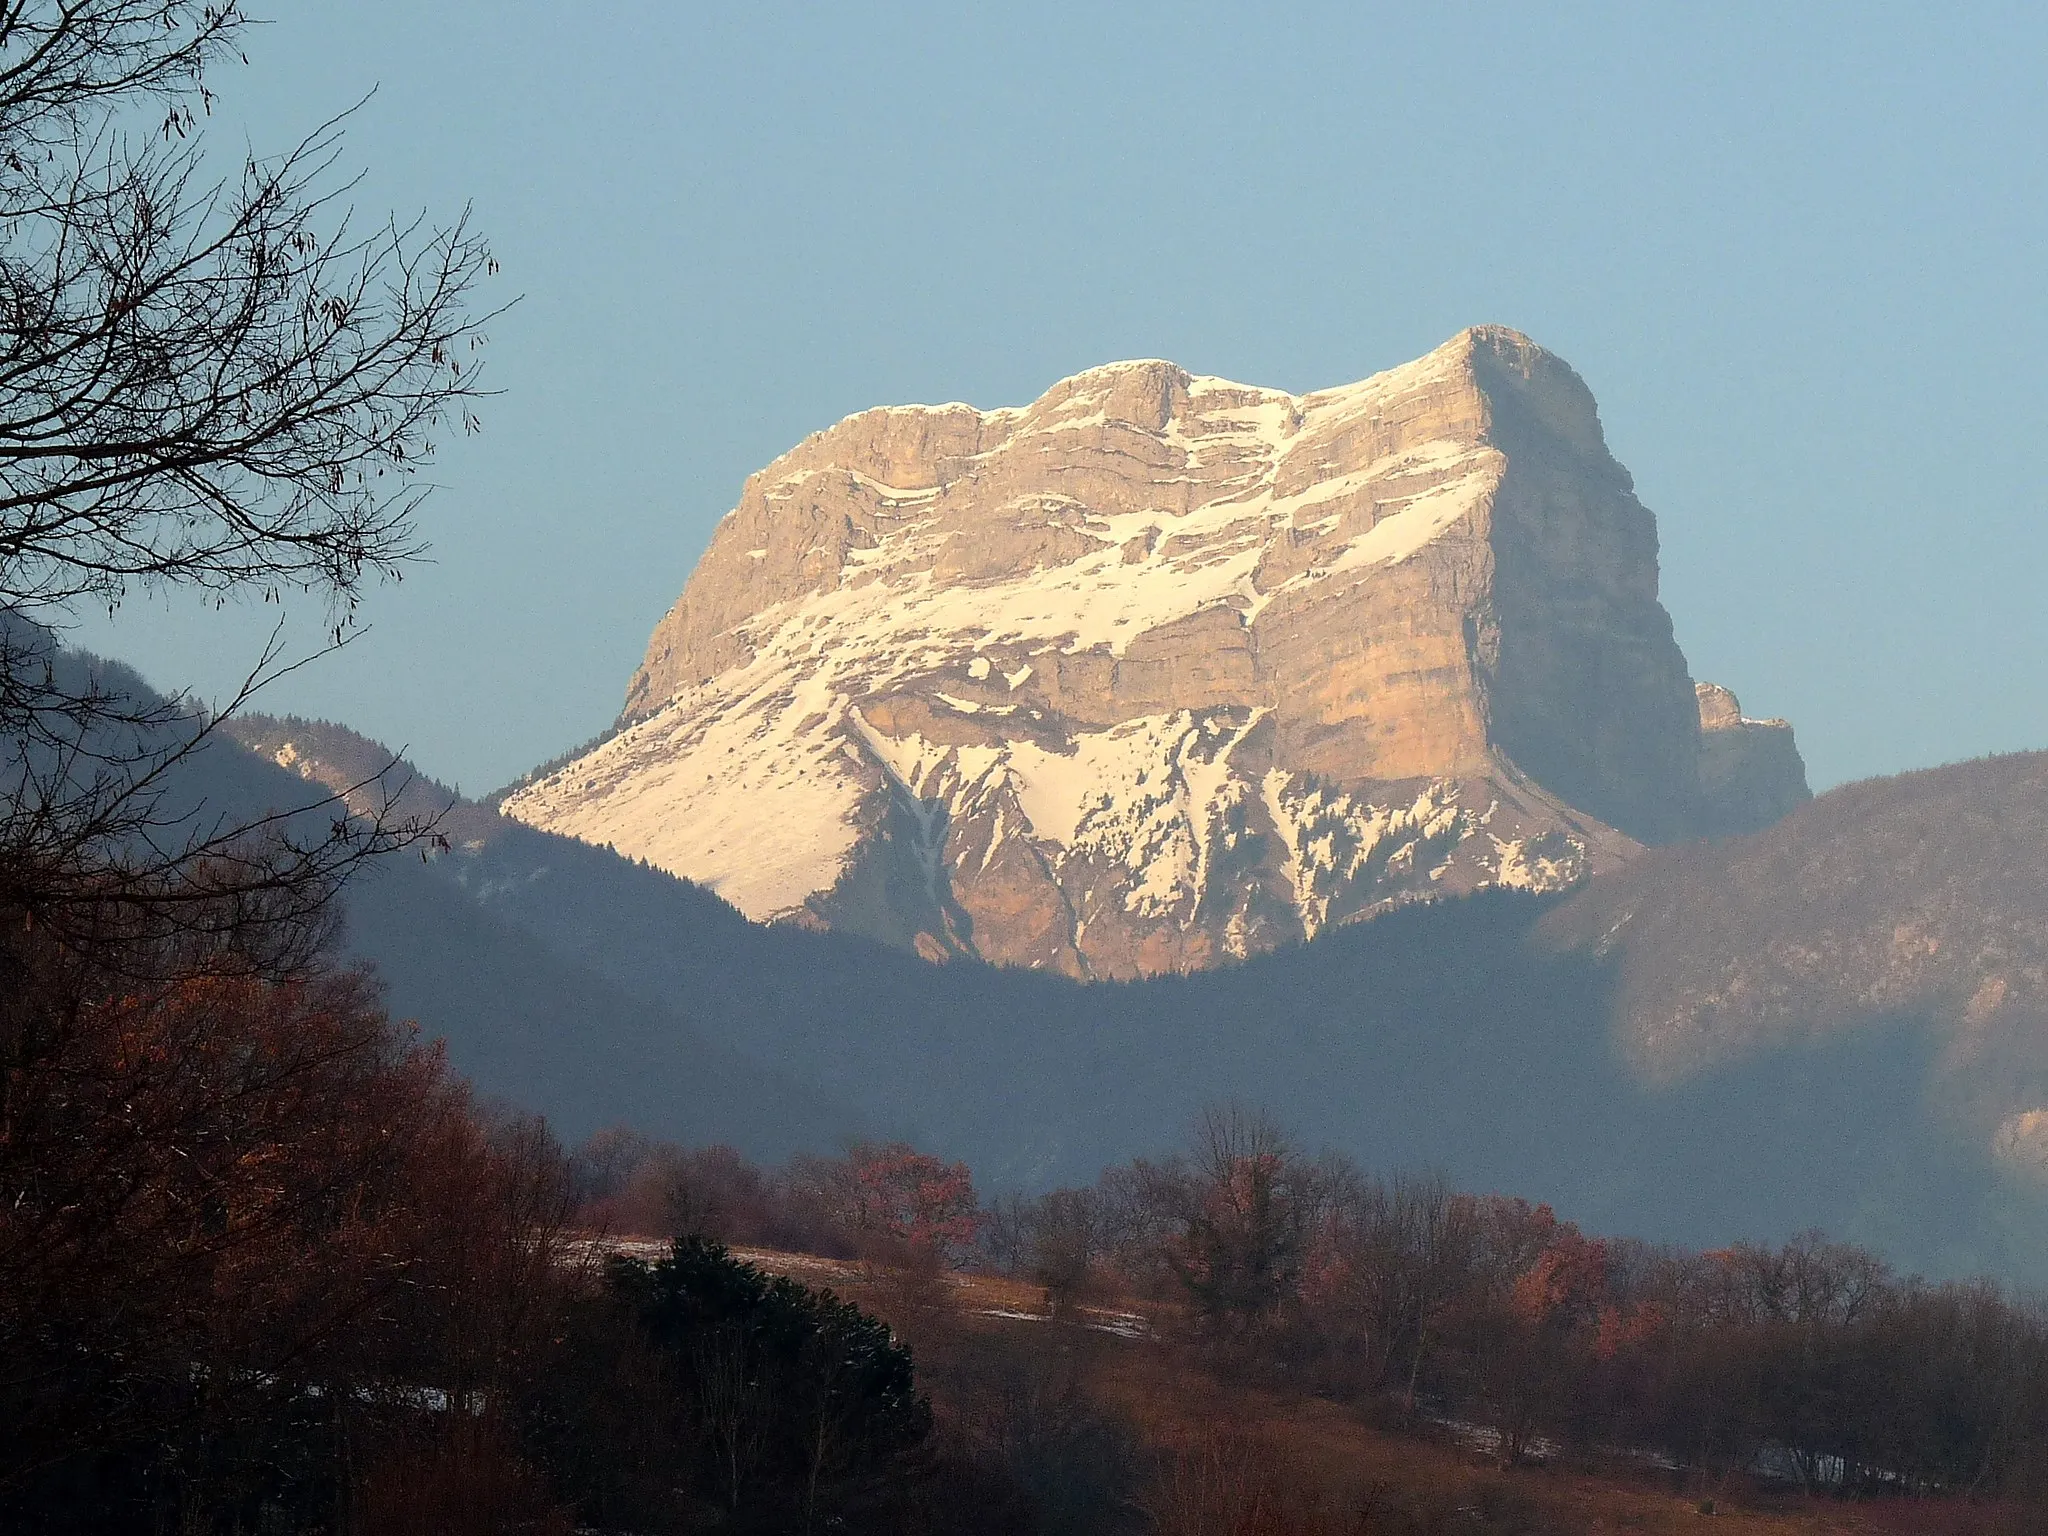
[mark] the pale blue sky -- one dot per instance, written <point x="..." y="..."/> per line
<point x="1799" y="253"/>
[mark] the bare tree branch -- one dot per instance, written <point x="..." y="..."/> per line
<point x="230" y="385"/>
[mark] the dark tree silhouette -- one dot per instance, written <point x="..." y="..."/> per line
<point x="791" y="1391"/>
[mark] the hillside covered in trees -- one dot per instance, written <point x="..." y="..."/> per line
<point x="1492" y="1038"/>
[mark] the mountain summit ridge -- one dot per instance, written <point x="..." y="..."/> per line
<point x="1161" y="670"/>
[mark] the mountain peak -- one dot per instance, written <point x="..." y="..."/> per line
<point x="1162" y="669"/>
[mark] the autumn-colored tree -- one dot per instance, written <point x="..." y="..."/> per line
<point x="908" y="1204"/>
<point x="1530" y="1329"/>
<point x="242" y="1218"/>
<point x="1564" y="1288"/>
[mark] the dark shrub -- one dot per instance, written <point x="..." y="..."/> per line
<point x="797" y="1399"/>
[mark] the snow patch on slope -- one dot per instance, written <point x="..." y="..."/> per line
<point x="758" y="781"/>
<point x="753" y="797"/>
<point x="1148" y="795"/>
<point x="1335" y="840"/>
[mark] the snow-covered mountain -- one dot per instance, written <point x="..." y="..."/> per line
<point x="1162" y="670"/>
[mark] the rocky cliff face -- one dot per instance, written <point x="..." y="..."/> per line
<point x="1162" y="670"/>
<point x="1750" y="770"/>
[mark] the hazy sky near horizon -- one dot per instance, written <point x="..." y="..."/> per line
<point x="1800" y="254"/>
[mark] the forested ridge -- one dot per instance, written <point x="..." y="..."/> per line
<point x="1500" y="1038"/>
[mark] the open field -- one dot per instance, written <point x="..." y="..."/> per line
<point x="1231" y="1455"/>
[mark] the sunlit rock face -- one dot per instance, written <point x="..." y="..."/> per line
<point x="1161" y="670"/>
<point x="1751" y="773"/>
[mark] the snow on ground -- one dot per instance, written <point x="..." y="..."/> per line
<point x="1333" y="838"/>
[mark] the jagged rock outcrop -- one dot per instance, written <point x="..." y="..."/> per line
<point x="1751" y="773"/>
<point x="1162" y="670"/>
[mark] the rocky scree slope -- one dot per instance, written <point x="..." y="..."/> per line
<point x="1160" y="670"/>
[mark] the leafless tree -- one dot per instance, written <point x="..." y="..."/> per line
<point x="731" y="1409"/>
<point x="227" y="384"/>
<point x="1248" y="1203"/>
<point x="1065" y="1236"/>
<point x="1402" y="1252"/>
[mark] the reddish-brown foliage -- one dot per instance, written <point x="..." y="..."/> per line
<point x="910" y="1200"/>
<point x="232" y="1195"/>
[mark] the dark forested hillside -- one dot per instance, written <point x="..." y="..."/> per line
<point x="1917" y="903"/>
<point x="536" y="1024"/>
<point x="1447" y="1037"/>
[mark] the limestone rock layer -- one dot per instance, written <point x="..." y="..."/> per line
<point x="1750" y="770"/>
<point x="1162" y="670"/>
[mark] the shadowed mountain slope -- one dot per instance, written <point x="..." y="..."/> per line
<point x="1921" y="898"/>
<point x="1480" y="1036"/>
<point x="532" y="1023"/>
